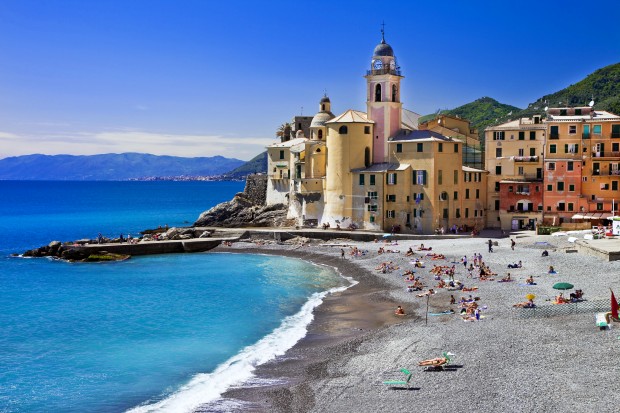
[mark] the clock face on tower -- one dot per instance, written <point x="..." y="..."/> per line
<point x="377" y="64"/>
<point x="392" y="65"/>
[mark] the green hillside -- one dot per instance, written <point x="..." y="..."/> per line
<point x="258" y="164"/>
<point x="603" y="85"/>
<point x="481" y="113"/>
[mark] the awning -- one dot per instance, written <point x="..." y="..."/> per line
<point x="578" y="216"/>
<point x="589" y="215"/>
<point x="282" y="166"/>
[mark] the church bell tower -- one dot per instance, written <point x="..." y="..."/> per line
<point x="383" y="98"/>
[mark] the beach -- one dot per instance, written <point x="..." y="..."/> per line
<point x="512" y="359"/>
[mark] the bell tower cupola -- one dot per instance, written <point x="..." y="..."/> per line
<point x="383" y="97"/>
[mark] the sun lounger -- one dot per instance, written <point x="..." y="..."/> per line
<point x="601" y="321"/>
<point x="400" y="383"/>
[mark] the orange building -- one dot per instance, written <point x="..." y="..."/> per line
<point x="581" y="172"/>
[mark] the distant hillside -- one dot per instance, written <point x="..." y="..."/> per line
<point x="481" y="112"/>
<point x="603" y="85"/>
<point x="258" y="164"/>
<point x="110" y="167"/>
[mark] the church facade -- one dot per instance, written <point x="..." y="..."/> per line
<point x="376" y="170"/>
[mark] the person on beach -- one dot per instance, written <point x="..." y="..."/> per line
<point x="452" y="300"/>
<point x="464" y="259"/>
<point x="552" y="270"/>
<point x="530" y="280"/>
<point x="341" y="253"/>
<point x="399" y="311"/>
<point x="512" y="244"/>
<point x="490" y="245"/>
<point x="527" y="304"/>
<point x="545" y="253"/>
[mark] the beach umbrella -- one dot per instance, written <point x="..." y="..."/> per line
<point x="530" y="296"/>
<point x="387" y="235"/>
<point x="563" y="286"/>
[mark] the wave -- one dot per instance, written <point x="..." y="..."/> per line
<point x="206" y="387"/>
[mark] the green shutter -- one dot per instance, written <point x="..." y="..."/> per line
<point x="521" y="136"/>
<point x="395" y="178"/>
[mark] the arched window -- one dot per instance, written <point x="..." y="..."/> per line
<point x="320" y="134"/>
<point x="367" y="156"/>
<point x="378" y="93"/>
<point x="323" y="106"/>
<point x="393" y="93"/>
<point x="343" y="130"/>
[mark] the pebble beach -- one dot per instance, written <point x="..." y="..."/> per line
<point x="511" y="359"/>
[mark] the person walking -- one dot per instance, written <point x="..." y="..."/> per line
<point x="341" y="252"/>
<point x="490" y="246"/>
<point x="512" y="244"/>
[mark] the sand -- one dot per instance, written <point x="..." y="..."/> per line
<point x="552" y="357"/>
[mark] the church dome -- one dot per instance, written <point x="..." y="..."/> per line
<point x="320" y="118"/>
<point x="325" y="99"/>
<point x="383" y="49"/>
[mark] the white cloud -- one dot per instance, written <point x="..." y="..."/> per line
<point x="119" y="141"/>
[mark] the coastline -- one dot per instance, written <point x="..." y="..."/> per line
<point x="504" y="362"/>
<point x="343" y="321"/>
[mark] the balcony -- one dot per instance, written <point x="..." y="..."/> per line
<point x="522" y="178"/>
<point x="606" y="154"/>
<point x="615" y="135"/>
<point x="383" y="71"/>
<point x="524" y="158"/>
<point x="585" y="136"/>
<point x="554" y="136"/>
<point x="598" y="172"/>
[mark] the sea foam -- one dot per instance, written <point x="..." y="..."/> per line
<point x="206" y="387"/>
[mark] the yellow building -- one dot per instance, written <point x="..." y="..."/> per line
<point x="514" y="159"/>
<point x="375" y="170"/>
<point x="461" y="129"/>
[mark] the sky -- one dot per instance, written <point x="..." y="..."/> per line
<point x="204" y="78"/>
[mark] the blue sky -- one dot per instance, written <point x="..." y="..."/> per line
<point x="204" y="78"/>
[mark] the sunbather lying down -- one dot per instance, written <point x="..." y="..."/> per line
<point x="527" y="304"/>
<point x="425" y="293"/>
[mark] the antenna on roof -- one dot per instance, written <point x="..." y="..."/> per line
<point x="302" y="111"/>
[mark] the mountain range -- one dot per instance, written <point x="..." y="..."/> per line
<point x="602" y="86"/>
<point x="111" y="167"/>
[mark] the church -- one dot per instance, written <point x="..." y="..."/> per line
<point x="379" y="169"/>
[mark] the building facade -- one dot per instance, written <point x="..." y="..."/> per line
<point x="563" y="168"/>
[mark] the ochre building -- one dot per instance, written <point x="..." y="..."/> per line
<point x="378" y="169"/>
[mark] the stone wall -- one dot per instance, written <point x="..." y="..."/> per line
<point x="256" y="189"/>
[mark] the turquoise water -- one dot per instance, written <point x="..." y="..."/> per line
<point x="164" y="333"/>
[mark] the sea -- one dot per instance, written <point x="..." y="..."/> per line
<point x="160" y="333"/>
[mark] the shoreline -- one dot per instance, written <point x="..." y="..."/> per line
<point x="342" y="321"/>
<point x="504" y="362"/>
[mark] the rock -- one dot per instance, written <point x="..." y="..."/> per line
<point x="241" y="212"/>
<point x="54" y="244"/>
<point x="205" y="234"/>
<point x="103" y="256"/>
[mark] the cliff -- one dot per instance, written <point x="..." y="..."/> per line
<point x="246" y="209"/>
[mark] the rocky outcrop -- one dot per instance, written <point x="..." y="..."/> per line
<point x="241" y="211"/>
<point x="56" y="249"/>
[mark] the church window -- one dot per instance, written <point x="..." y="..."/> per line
<point x="378" y="93"/>
<point x="393" y="93"/>
<point x="323" y="107"/>
<point x="343" y="130"/>
<point x="320" y="134"/>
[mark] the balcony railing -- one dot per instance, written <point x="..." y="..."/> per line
<point x="598" y="172"/>
<point x="383" y="71"/>
<point x="605" y="154"/>
<point x="524" y="177"/>
<point x="525" y="158"/>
